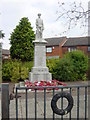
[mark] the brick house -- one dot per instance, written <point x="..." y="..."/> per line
<point x="58" y="46"/>
<point x="5" y="54"/>
<point x="54" y="47"/>
<point x="77" y="43"/>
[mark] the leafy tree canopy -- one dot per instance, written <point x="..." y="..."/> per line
<point x="21" y="41"/>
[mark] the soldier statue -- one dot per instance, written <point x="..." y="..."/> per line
<point x="39" y="27"/>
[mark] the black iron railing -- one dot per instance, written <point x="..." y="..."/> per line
<point x="77" y="88"/>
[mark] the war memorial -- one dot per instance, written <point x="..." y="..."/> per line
<point x="39" y="71"/>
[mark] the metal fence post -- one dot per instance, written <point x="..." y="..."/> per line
<point x="5" y="100"/>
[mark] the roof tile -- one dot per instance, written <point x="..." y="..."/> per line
<point x="77" y="41"/>
<point x="54" y="41"/>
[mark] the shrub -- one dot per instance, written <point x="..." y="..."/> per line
<point x="80" y="63"/>
<point x="15" y="76"/>
<point x="51" y="64"/>
<point x="16" y="70"/>
<point x="24" y="73"/>
<point x="63" y="70"/>
<point x="25" y="69"/>
<point x="6" y="70"/>
<point x="73" y="66"/>
<point x="28" y="64"/>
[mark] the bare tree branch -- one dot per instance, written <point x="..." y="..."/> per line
<point x="74" y="14"/>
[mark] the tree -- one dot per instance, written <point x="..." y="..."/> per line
<point x="73" y="14"/>
<point x="21" y="41"/>
<point x="2" y="35"/>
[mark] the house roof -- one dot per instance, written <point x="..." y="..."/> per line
<point x="54" y="41"/>
<point x="77" y="41"/>
<point x="5" y="52"/>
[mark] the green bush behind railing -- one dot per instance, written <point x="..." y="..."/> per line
<point x="15" y="70"/>
<point x="73" y="66"/>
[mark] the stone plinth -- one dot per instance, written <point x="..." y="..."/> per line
<point x="39" y="71"/>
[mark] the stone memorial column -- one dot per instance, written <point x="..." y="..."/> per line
<point x="39" y="70"/>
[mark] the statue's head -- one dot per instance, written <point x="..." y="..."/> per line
<point x="39" y="14"/>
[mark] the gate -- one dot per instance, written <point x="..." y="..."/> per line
<point x="35" y="102"/>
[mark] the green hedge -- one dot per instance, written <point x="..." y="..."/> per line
<point x="15" y="70"/>
<point x="73" y="66"/>
<point x="7" y="70"/>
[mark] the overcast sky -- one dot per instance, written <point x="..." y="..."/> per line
<point x="11" y="11"/>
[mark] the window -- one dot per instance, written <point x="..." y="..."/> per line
<point x="89" y="48"/>
<point x="6" y="57"/>
<point x="49" y="49"/>
<point x="50" y="57"/>
<point x="72" y="49"/>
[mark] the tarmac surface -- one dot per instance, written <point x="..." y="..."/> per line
<point x="40" y="103"/>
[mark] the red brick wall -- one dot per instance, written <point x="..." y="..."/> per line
<point x="55" y="51"/>
<point x="64" y="50"/>
<point x="60" y="47"/>
<point x="3" y="57"/>
<point x="82" y="48"/>
<point x="60" y="51"/>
